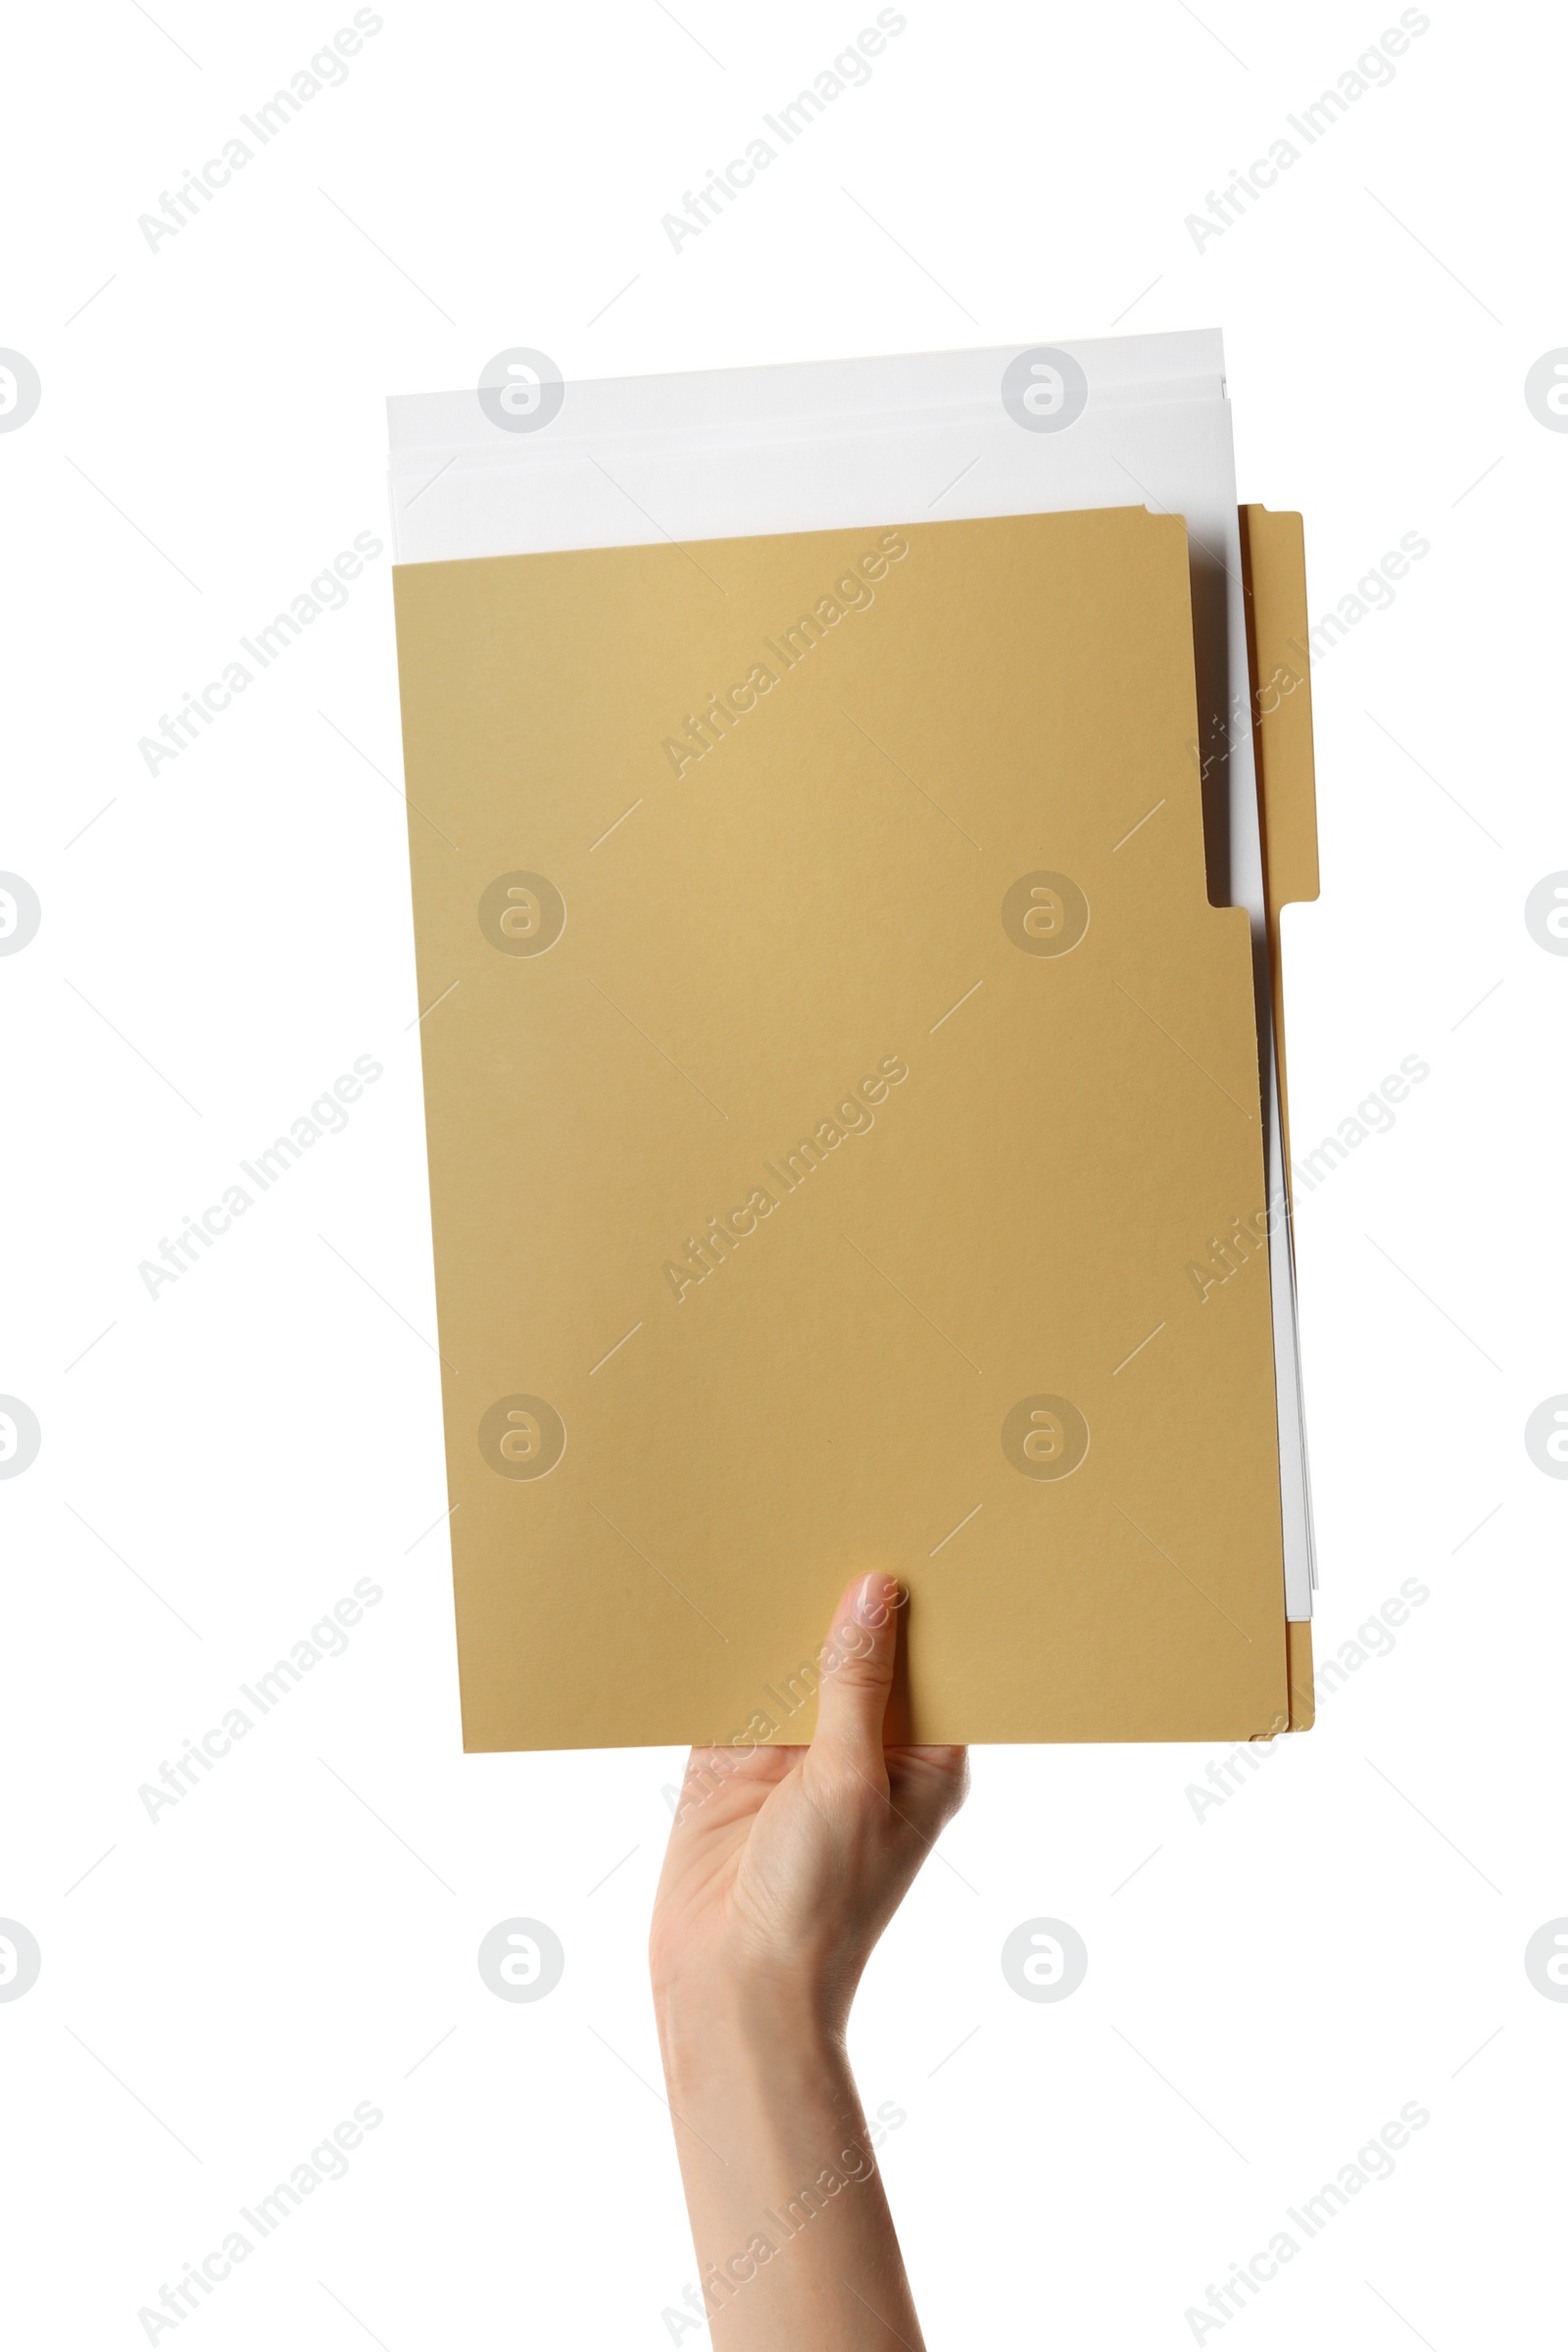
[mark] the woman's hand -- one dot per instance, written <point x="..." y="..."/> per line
<point x="785" y="1864"/>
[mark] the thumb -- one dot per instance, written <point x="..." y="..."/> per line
<point x="857" y="1675"/>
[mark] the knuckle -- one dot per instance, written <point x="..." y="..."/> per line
<point x="853" y="1674"/>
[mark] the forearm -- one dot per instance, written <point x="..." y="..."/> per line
<point x="795" y="2243"/>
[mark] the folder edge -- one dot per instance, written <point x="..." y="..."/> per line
<point x="1274" y="598"/>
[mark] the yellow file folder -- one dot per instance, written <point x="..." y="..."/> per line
<point x="836" y="1080"/>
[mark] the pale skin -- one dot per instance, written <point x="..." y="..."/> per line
<point x="785" y="1864"/>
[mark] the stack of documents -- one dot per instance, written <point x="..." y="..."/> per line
<point x="849" y="826"/>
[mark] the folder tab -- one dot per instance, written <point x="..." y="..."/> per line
<point x="1274" y="577"/>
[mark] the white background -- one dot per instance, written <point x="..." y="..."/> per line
<point x="1345" y="1934"/>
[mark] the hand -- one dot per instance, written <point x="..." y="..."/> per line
<point x="785" y="1864"/>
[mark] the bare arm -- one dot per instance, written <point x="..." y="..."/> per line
<point x="784" y="1866"/>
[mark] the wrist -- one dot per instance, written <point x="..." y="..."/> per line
<point x="762" y="2089"/>
<point x="754" y="2025"/>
